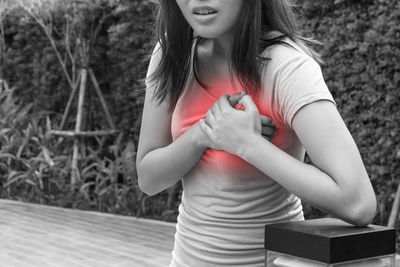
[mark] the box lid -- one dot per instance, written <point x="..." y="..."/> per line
<point x="330" y="240"/>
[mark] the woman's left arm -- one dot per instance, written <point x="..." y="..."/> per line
<point x="337" y="182"/>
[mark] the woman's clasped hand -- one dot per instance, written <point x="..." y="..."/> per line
<point x="228" y="128"/>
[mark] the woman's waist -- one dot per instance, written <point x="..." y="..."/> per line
<point x="214" y="176"/>
<point x="236" y="229"/>
<point x="238" y="204"/>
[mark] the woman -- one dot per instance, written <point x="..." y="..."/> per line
<point x="234" y="180"/>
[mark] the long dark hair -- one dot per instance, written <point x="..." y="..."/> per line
<point x="263" y="23"/>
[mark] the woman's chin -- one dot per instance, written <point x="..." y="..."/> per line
<point x="206" y="35"/>
<point x="207" y="32"/>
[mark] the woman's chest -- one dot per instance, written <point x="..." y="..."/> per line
<point x="196" y="100"/>
<point x="193" y="106"/>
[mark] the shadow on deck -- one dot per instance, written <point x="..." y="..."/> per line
<point x="37" y="235"/>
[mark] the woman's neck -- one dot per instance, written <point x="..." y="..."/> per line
<point x="213" y="60"/>
<point x="221" y="47"/>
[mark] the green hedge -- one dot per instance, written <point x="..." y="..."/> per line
<point x="116" y="56"/>
<point x="362" y="54"/>
<point x="39" y="171"/>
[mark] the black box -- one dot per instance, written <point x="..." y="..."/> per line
<point x="330" y="240"/>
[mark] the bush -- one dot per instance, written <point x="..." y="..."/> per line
<point x="35" y="166"/>
<point x="362" y="51"/>
<point x="118" y="51"/>
<point x="29" y="170"/>
<point x="116" y="55"/>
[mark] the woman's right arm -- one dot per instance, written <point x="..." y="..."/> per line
<point x="161" y="162"/>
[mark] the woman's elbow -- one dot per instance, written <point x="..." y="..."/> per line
<point x="146" y="187"/>
<point x="363" y="212"/>
<point x="143" y="186"/>
<point x="144" y="182"/>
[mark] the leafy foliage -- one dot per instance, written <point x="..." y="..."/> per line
<point x="35" y="166"/>
<point x="128" y="48"/>
<point x="26" y="163"/>
<point x="362" y="51"/>
<point x="117" y="54"/>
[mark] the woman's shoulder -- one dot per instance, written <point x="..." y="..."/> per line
<point x="286" y="52"/>
<point x="287" y="55"/>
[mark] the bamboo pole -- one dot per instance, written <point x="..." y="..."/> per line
<point x="54" y="47"/>
<point x="102" y="100"/>
<point x="395" y="208"/>
<point x="69" y="104"/>
<point x="84" y="134"/>
<point x="78" y="124"/>
<point x="2" y="44"/>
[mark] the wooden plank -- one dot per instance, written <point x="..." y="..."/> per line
<point x="38" y="235"/>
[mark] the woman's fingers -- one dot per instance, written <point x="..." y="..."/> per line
<point x="214" y="112"/>
<point x="210" y="118"/>
<point x="223" y="103"/>
<point x="215" y="109"/>
<point x="234" y="99"/>
<point x="268" y="128"/>
<point x="268" y="131"/>
<point x="248" y="103"/>
<point x="205" y="127"/>
<point x="267" y="121"/>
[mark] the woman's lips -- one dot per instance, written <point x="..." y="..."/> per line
<point x="204" y="10"/>
<point x="204" y="14"/>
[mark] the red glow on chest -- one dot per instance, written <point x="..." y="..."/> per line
<point x="193" y="107"/>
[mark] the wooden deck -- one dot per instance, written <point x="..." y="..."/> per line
<point x="40" y="236"/>
<point x="36" y="235"/>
